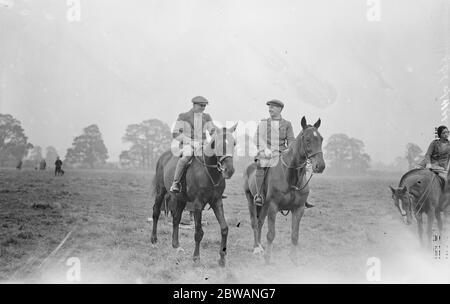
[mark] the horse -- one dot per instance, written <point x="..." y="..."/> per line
<point x="420" y="191"/>
<point x="59" y="171"/>
<point x="282" y="189"/>
<point x="204" y="183"/>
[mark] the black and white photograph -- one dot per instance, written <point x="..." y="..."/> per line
<point x="224" y="143"/>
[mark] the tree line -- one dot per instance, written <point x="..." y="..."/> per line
<point x="148" y="139"/>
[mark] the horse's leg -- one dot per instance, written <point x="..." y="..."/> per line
<point x="437" y="213"/>
<point x="272" y="214"/>
<point x="180" y="204"/>
<point x="420" y="227"/>
<point x="220" y="215"/>
<point x="297" y="215"/>
<point x="156" y="212"/>
<point x="198" y="233"/>
<point x="430" y="219"/>
<point x="257" y="248"/>
<point x="261" y="219"/>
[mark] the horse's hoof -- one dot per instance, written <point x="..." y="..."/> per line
<point x="222" y="262"/>
<point x="180" y="250"/>
<point x="153" y="239"/>
<point x="196" y="261"/>
<point x="258" y="250"/>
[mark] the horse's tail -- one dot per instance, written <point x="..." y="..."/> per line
<point x="158" y="178"/>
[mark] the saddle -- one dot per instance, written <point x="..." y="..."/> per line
<point x="441" y="174"/>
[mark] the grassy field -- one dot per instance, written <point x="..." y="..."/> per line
<point x="106" y="214"/>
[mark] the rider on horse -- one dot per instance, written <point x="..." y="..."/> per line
<point x="273" y="136"/>
<point x="190" y="132"/>
<point x="438" y="154"/>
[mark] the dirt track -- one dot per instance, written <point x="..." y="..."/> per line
<point x="106" y="213"/>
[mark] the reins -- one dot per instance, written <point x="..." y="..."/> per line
<point x="421" y="200"/>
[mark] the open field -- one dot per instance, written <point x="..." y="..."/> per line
<point x="106" y="214"/>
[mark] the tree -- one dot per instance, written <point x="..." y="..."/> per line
<point x="35" y="154"/>
<point x="14" y="144"/>
<point x="88" y="148"/>
<point x="50" y="155"/>
<point x="400" y="164"/>
<point x="149" y="140"/>
<point x="130" y="158"/>
<point x="345" y="154"/>
<point x="413" y="154"/>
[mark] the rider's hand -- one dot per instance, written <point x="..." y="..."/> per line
<point x="196" y="144"/>
<point x="267" y="152"/>
<point x="428" y="166"/>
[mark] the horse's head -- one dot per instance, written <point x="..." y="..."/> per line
<point x="309" y="142"/>
<point x="222" y="145"/>
<point x="402" y="200"/>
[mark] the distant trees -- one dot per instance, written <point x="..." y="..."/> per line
<point x="413" y="154"/>
<point x="148" y="139"/>
<point x="88" y="148"/>
<point x="33" y="158"/>
<point x="346" y="155"/>
<point x="50" y="155"/>
<point x="14" y="144"/>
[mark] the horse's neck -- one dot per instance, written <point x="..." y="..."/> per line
<point x="293" y="156"/>
<point x="208" y="156"/>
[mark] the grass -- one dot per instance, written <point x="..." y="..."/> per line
<point x="107" y="212"/>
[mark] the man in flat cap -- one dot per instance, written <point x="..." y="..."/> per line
<point x="190" y="131"/>
<point x="274" y="135"/>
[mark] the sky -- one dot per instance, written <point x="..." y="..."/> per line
<point x="122" y="62"/>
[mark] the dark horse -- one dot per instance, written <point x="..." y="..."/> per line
<point x="420" y="191"/>
<point x="204" y="183"/>
<point x="285" y="187"/>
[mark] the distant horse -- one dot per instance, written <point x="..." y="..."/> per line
<point x="285" y="187"/>
<point x="59" y="171"/>
<point x="420" y="191"/>
<point x="204" y="183"/>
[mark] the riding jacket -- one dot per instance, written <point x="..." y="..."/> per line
<point x="274" y="134"/>
<point x="438" y="154"/>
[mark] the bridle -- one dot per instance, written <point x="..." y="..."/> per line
<point x="302" y="165"/>
<point x="218" y="166"/>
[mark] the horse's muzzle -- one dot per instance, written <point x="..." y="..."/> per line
<point x="227" y="173"/>
<point x="318" y="167"/>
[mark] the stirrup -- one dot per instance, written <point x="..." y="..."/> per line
<point x="175" y="188"/>
<point x="258" y="200"/>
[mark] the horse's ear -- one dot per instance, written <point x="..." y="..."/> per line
<point x="392" y="189"/>
<point x="317" y="124"/>
<point x="304" y="125"/>
<point x="233" y="128"/>
<point x="404" y="189"/>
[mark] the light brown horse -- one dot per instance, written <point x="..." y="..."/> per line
<point x="285" y="187"/>
<point x="420" y="191"/>
<point x="204" y="184"/>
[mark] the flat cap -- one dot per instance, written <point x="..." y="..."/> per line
<point x="199" y="100"/>
<point x="275" y="102"/>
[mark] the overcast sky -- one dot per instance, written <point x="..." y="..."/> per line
<point x="127" y="61"/>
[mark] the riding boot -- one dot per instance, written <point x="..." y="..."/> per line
<point x="259" y="176"/>
<point x="177" y="176"/>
